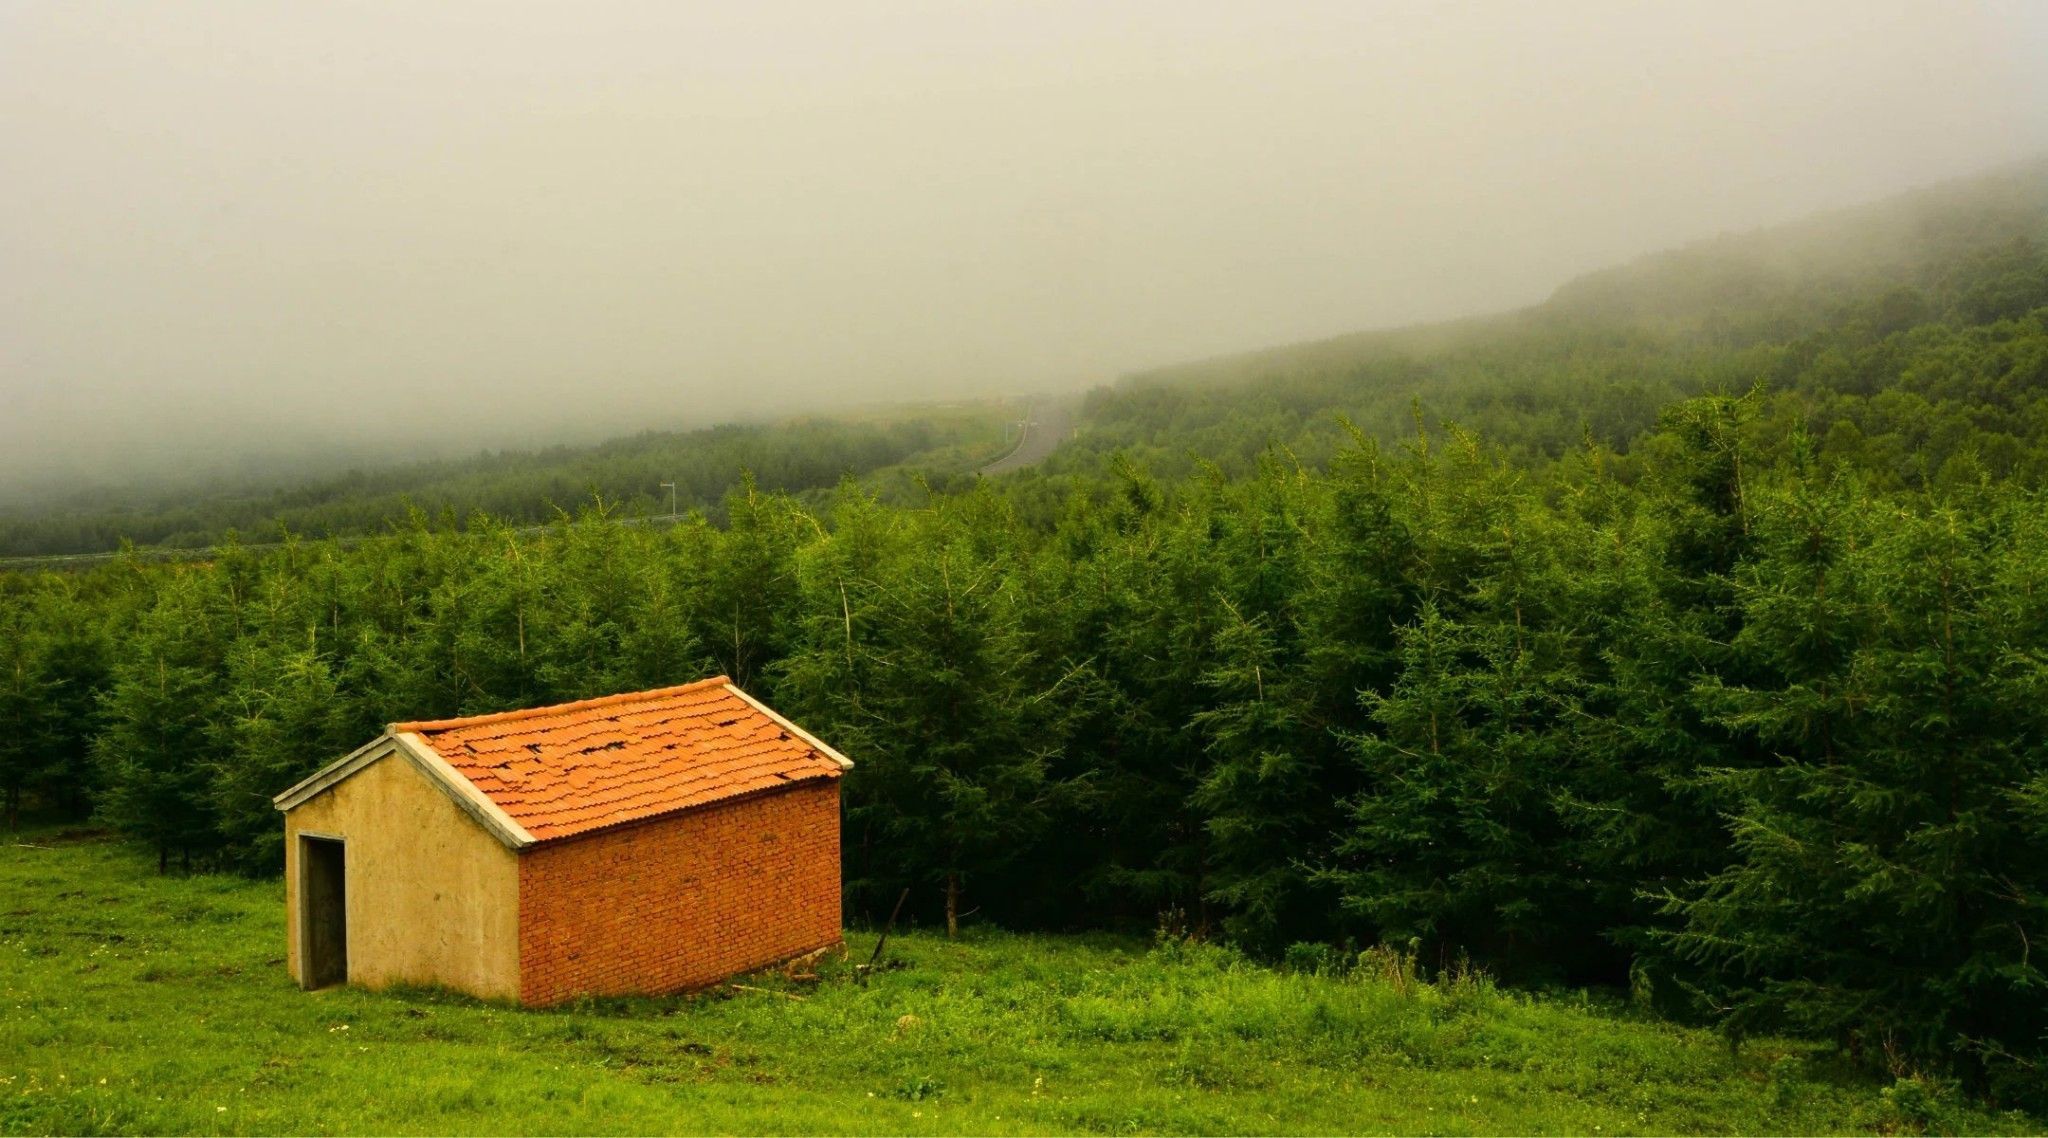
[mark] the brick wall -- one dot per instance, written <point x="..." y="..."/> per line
<point x="684" y="901"/>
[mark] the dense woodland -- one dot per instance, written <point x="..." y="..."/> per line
<point x="1708" y="656"/>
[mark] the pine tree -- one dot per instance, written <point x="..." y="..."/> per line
<point x="154" y="750"/>
<point x="1260" y="795"/>
<point x="744" y="586"/>
<point x="281" y="720"/>
<point x="923" y="677"/>
<point x="27" y="693"/>
<point x="1884" y="875"/>
<point x="1273" y="773"/>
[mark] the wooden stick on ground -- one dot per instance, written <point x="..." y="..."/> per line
<point x="864" y="969"/>
<point x="769" y="991"/>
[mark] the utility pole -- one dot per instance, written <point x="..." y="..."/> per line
<point x="671" y="488"/>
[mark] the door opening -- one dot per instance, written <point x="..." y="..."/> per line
<point x="323" y="912"/>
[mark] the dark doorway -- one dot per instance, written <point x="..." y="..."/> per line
<point x="323" y="912"/>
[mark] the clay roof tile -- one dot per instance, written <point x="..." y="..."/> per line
<point x="577" y="767"/>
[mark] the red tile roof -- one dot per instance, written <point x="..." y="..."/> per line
<point x="577" y="767"/>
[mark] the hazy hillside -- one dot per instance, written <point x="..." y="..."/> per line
<point x="1849" y="303"/>
<point x="1886" y="297"/>
<point x="797" y="455"/>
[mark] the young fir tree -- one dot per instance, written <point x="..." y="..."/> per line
<point x="1145" y="607"/>
<point x="280" y="720"/>
<point x="1258" y="794"/>
<point x="743" y="585"/>
<point x="1357" y="588"/>
<point x="153" y="752"/>
<point x="75" y="668"/>
<point x="1457" y="840"/>
<point x="590" y="583"/>
<point x="921" y="677"/>
<point x="1885" y="882"/>
<point x="822" y="682"/>
<point x="1652" y="582"/>
<point x="1274" y="773"/>
<point x="27" y="702"/>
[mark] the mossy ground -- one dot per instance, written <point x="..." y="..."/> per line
<point x="136" y="1003"/>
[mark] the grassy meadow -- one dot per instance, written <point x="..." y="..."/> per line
<point x="136" y="1003"/>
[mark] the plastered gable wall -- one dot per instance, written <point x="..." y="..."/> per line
<point x="433" y="898"/>
<point x="681" y="901"/>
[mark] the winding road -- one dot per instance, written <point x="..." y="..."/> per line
<point x="1048" y="421"/>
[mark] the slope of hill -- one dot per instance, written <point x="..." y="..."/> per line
<point x="1898" y="329"/>
<point x="1927" y="296"/>
<point x="797" y="455"/>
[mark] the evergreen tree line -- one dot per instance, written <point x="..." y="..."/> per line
<point x="800" y="456"/>
<point x="1756" y="732"/>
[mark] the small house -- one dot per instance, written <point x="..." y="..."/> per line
<point x="636" y="844"/>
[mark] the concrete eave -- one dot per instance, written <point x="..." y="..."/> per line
<point x="334" y="772"/>
<point x="423" y="758"/>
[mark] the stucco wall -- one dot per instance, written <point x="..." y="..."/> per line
<point x="432" y="897"/>
<point x="683" y="901"/>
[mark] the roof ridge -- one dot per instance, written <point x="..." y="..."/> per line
<point x="423" y="726"/>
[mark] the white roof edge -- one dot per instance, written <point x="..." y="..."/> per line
<point x="334" y="772"/>
<point x="845" y="763"/>
<point x="474" y="802"/>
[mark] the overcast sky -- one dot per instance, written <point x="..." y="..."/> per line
<point x="228" y="225"/>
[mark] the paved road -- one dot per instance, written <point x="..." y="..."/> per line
<point x="1048" y="423"/>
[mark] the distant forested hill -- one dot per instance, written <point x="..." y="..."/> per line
<point x="800" y="455"/>
<point x="1902" y="334"/>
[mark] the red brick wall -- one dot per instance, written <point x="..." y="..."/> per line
<point x="684" y="901"/>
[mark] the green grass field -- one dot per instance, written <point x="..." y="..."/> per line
<point x="134" y="1003"/>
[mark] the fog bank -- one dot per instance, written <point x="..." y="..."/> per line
<point x="247" y="229"/>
